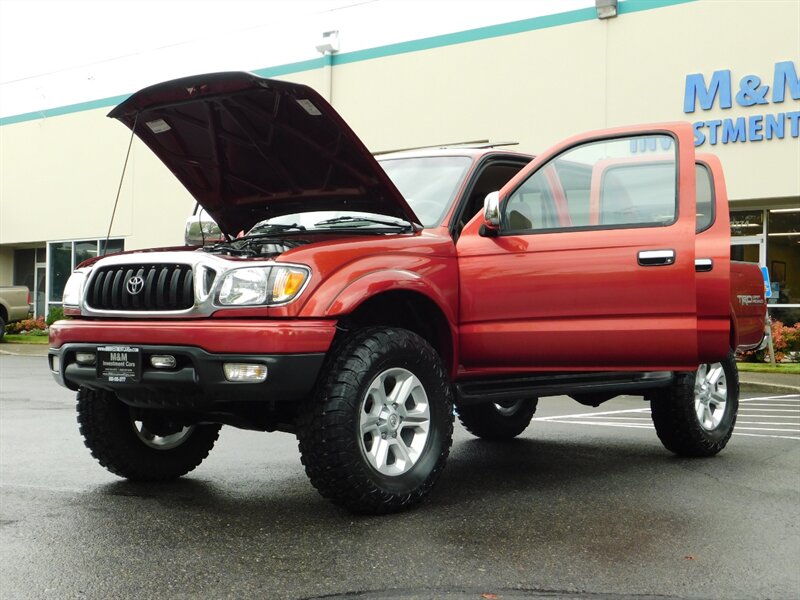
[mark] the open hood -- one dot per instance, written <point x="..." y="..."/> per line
<point x="249" y="148"/>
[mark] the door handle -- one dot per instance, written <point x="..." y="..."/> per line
<point x="656" y="258"/>
<point x="702" y="265"/>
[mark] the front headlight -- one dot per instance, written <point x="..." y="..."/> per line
<point x="254" y="286"/>
<point x="73" y="291"/>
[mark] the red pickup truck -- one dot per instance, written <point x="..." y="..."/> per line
<point x="361" y="302"/>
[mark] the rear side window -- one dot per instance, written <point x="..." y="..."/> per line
<point x="705" y="198"/>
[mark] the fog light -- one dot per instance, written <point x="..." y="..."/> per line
<point x="163" y="361"/>
<point x="245" y="372"/>
<point x="85" y="358"/>
<point x="55" y="364"/>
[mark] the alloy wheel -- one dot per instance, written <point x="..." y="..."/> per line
<point x="710" y="395"/>
<point x="394" y="421"/>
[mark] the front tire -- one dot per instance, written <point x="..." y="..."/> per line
<point x="140" y="445"/>
<point x="376" y="436"/>
<point x="697" y="414"/>
<point x="498" y="421"/>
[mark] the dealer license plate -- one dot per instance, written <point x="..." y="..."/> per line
<point x="119" y="364"/>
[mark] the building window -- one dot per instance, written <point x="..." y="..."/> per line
<point x="783" y="255"/>
<point x="771" y="238"/>
<point x="747" y="223"/>
<point x="24" y="263"/>
<point x="59" y="269"/>
<point x="63" y="257"/>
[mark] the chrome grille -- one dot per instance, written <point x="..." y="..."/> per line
<point x="165" y="287"/>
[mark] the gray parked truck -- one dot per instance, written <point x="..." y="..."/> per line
<point x="14" y="305"/>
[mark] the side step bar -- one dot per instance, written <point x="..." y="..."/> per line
<point x="477" y="391"/>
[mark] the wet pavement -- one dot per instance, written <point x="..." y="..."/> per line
<point x="578" y="507"/>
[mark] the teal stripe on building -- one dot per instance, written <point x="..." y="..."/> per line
<point x="439" y="41"/>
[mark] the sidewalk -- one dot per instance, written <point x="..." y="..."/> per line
<point x="23" y="349"/>
<point x="768" y="383"/>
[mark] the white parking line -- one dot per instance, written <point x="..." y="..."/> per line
<point x="785" y="420"/>
<point x="787" y="410"/>
<point x="739" y="422"/>
<point x="777" y="437"/>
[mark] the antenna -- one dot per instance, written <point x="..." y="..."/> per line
<point x="121" y="179"/>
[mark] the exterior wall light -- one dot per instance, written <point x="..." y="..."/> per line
<point x="606" y="8"/>
<point x="329" y="44"/>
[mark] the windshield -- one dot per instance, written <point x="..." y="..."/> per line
<point x="429" y="184"/>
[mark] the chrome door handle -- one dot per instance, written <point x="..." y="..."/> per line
<point x="701" y="265"/>
<point x="656" y="258"/>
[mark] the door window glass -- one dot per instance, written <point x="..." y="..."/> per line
<point x="705" y="199"/>
<point x="746" y="252"/>
<point x="39" y="298"/>
<point x="598" y="185"/>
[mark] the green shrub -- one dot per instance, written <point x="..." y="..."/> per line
<point x="56" y="314"/>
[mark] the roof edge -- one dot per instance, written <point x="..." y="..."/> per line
<point x="429" y="43"/>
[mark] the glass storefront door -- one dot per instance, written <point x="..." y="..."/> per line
<point x="747" y="252"/>
<point x="771" y="238"/>
<point x="39" y="295"/>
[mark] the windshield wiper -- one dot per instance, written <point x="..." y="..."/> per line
<point x="363" y="222"/>
<point x="271" y="229"/>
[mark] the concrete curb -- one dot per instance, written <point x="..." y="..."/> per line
<point x="769" y="388"/>
<point x="23" y="350"/>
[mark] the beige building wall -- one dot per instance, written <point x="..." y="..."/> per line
<point x="541" y="86"/>
<point x="60" y="177"/>
<point x="60" y="180"/>
<point x="651" y="52"/>
<point x="60" y="174"/>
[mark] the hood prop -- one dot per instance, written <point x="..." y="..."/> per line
<point x="121" y="179"/>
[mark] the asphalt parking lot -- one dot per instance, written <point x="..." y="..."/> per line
<point x="586" y="504"/>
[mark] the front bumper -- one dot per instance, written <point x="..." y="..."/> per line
<point x="197" y="381"/>
<point x="292" y="351"/>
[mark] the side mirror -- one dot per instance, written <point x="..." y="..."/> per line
<point x="491" y="215"/>
<point x="200" y="231"/>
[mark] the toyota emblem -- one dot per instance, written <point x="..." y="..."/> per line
<point x="135" y="285"/>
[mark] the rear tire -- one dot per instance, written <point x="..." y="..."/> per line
<point x="140" y="447"/>
<point x="499" y="421"/>
<point x="697" y="414"/>
<point x="376" y="436"/>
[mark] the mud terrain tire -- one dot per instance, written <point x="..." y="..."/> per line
<point x="376" y="435"/>
<point x="111" y="433"/>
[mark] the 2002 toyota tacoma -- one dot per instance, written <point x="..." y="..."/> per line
<point x="355" y="301"/>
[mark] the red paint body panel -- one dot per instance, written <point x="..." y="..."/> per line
<point x="578" y="300"/>
<point x="714" y="315"/>
<point x="212" y="335"/>
<point x="746" y="281"/>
